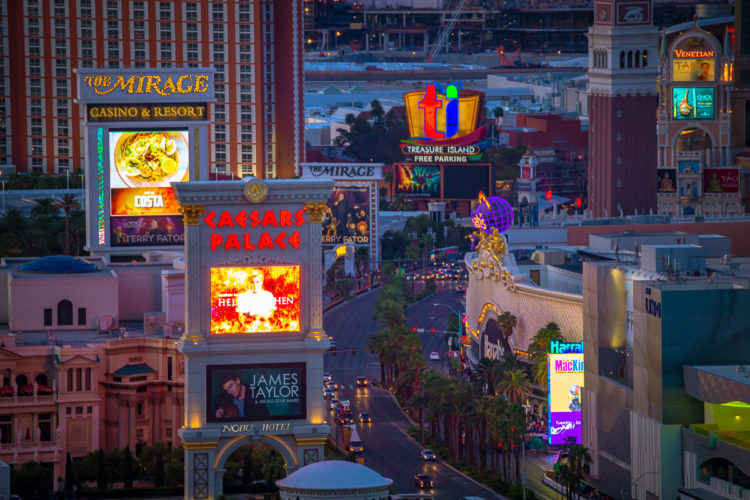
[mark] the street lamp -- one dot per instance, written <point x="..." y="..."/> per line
<point x="460" y="322"/>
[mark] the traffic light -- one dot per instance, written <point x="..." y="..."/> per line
<point x="548" y="195"/>
<point x="414" y="329"/>
<point x="578" y="202"/>
<point x="433" y="331"/>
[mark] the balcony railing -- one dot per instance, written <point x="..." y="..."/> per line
<point x="22" y="399"/>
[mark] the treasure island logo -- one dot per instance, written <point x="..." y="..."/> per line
<point x="444" y="124"/>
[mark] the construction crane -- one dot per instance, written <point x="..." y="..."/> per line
<point x="507" y="61"/>
<point x="446" y="31"/>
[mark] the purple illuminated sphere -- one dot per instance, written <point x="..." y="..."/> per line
<point x="499" y="214"/>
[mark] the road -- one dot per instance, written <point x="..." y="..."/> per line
<point x="387" y="449"/>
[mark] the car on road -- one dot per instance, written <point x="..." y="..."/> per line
<point x="328" y="393"/>
<point x="365" y="417"/>
<point x="346" y="418"/>
<point x="332" y="385"/>
<point x="361" y="381"/>
<point x="334" y="403"/>
<point x="460" y="288"/>
<point x="434" y="356"/>
<point x="326" y="377"/>
<point x="428" y="455"/>
<point x="423" y="481"/>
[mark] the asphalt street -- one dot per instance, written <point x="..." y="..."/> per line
<point x="388" y="450"/>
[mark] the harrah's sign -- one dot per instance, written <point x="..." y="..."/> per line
<point x="557" y="347"/>
<point x="256" y="240"/>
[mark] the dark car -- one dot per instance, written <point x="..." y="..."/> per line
<point x="460" y="288"/>
<point x="423" y="481"/>
<point x="365" y="417"/>
<point x="361" y="381"/>
<point x="346" y="418"/>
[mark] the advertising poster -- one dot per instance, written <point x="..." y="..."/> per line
<point x="689" y="166"/>
<point x="255" y="299"/>
<point x="721" y="180"/>
<point x="666" y="180"/>
<point x="147" y="231"/>
<point x="417" y="181"/>
<point x="142" y="165"/>
<point x="565" y="384"/>
<point x="464" y="182"/>
<point x="693" y="70"/>
<point x="348" y="216"/>
<point x="692" y="103"/>
<point x="249" y="393"/>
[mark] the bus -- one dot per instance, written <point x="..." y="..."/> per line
<point x="445" y="254"/>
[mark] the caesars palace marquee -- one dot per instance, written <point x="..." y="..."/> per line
<point x="254" y="339"/>
<point x="145" y="129"/>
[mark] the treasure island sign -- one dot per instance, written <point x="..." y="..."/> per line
<point x="254" y="339"/>
<point x="146" y="129"/>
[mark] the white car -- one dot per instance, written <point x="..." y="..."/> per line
<point x="434" y="356"/>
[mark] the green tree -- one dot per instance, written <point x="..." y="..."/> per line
<point x="159" y="470"/>
<point x="378" y="140"/>
<point x="127" y="468"/>
<point x="515" y="385"/>
<point x="44" y="206"/>
<point x="69" y="474"/>
<point x="101" y="470"/>
<point x="31" y="480"/>
<point x="401" y="203"/>
<point x="412" y="254"/>
<point x="68" y="202"/>
<point x="507" y="323"/>
<point x="539" y="348"/>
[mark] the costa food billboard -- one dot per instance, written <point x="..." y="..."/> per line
<point x="255" y="299"/>
<point x="142" y="165"/>
<point x="348" y="218"/>
<point x="565" y="384"/>
<point x="254" y="392"/>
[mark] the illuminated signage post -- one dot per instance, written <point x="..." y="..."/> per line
<point x="147" y="129"/>
<point x="565" y="384"/>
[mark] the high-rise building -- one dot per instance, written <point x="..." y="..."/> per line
<point x="623" y="57"/>
<point x="255" y="47"/>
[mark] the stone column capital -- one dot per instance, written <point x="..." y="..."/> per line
<point x="192" y="214"/>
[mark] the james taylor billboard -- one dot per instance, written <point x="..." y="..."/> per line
<point x="255" y="299"/>
<point x="142" y="164"/>
<point x="249" y="393"/>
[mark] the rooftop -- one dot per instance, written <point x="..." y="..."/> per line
<point x="334" y="475"/>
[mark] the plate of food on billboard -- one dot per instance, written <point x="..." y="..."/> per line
<point x="247" y="300"/>
<point x="149" y="158"/>
<point x="255" y="392"/>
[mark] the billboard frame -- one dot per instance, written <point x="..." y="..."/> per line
<point x="441" y="166"/>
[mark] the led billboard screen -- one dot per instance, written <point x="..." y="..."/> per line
<point x="417" y="181"/>
<point x="721" y="180"/>
<point x="255" y="299"/>
<point x="666" y="180"/>
<point x="142" y="165"/>
<point x="348" y="218"/>
<point x="695" y="103"/>
<point x="692" y="70"/>
<point x="565" y="378"/>
<point x="249" y="393"/>
<point x="465" y="181"/>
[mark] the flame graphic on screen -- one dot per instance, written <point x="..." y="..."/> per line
<point x="236" y="307"/>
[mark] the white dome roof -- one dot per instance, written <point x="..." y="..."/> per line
<point x="334" y="474"/>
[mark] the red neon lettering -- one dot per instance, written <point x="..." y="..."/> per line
<point x="280" y="240"/>
<point x="241" y="218"/>
<point x="209" y="219"/>
<point x="269" y="219"/>
<point x="225" y="220"/>
<point x="294" y="239"/>
<point x="246" y="241"/>
<point x="265" y="241"/>
<point x="300" y="217"/>
<point x="254" y="218"/>
<point x="216" y="240"/>
<point x="233" y="243"/>
<point x="430" y="104"/>
<point x="285" y="218"/>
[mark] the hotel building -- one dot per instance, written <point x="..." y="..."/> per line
<point x="255" y="48"/>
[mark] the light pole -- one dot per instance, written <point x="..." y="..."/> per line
<point x="626" y="493"/>
<point x="460" y="322"/>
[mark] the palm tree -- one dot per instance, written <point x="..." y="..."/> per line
<point x="44" y="207"/>
<point x="67" y="203"/>
<point x="507" y="322"/>
<point x="14" y="232"/>
<point x="400" y="204"/>
<point x="412" y="253"/>
<point x="378" y="346"/>
<point x="578" y="457"/>
<point x="78" y="228"/>
<point x="539" y="348"/>
<point x="515" y="385"/>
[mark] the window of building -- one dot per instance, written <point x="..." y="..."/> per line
<point x="139" y="409"/>
<point x="113" y="12"/>
<point x="192" y="52"/>
<point x="165" y="11"/>
<point x="79" y="410"/>
<point x="217" y="13"/>
<point x="48" y="317"/>
<point x="191" y="31"/>
<point x="246" y="14"/>
<point x="65" y="312"/>
<point x="88" y="378"/>
<point x="44" y="423"/>
<point x="191" y="11"/>
<point x="89" y="410"/>
<point x="6" y="429"/>
<point x="68" y="410"/>
<point x="85" y="8"/>
<point x="139" y="10"/>
<point x="70" y="380"/>
<point x="139" y="30"/>
<point x="220" y="113"/>
<point x="79" y="379"/>
<point x="81" y="312"/>
<point x="165" y="31"/>
<point x="169" y="367"/>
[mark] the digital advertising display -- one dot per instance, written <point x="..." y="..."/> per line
<point x="693" y="70"/>
<point x="250" y="393"/>
<point x="417" y="181"/>
<point x="689" y="166"/>
<point x="721" y="180"/>
<point x="465" y="181"/>
<point x="695" y="103"/>
<point x="348" y="218"/>
<point x="142" y="165"/>
<point x="565" y="384"/>
<point x="666" y="180"/>
<point x="255" y="299"/>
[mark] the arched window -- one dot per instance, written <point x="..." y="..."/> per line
<point x="622" y="59"/>
<point x="88" y="379"/>
<point x="79" y="379"/>
<point x="41" y="379"/>
<point x="70" y="380"/>
<point x="637" y="58"/>
<point x="64" y="312"/>
<point x="630" y="59"/>
<point x="644" y="63"/>
<point x="21" y="381"/>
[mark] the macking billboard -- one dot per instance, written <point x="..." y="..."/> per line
<point x="565" y="384"/>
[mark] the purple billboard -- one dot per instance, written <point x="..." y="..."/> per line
<point x="147" y="231"/>
<point x="565" y="374"/>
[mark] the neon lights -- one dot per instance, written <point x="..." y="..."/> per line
<point x="485" y="309"/>
<point x="431" y="103"/>
<point x="100" y="185"/>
